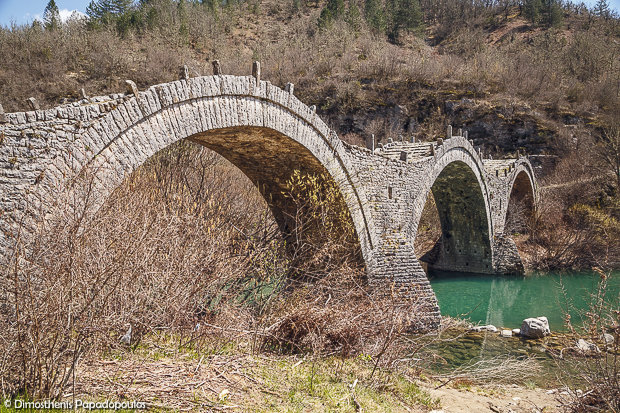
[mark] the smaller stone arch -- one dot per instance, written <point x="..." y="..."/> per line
<point x="461" y="195"/>
<point x="516" y="184"/>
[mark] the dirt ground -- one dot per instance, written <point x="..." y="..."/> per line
<point x="498" y="399"/>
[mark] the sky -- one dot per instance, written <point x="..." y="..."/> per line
<point x="25" y="11"/>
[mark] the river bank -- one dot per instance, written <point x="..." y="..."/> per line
<point x="466" y="398"/>
<point x="233" y="378"/>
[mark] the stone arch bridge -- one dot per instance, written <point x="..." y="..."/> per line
<point x="268" y="133"/>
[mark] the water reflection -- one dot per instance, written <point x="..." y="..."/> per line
<point x="505" y="301"/>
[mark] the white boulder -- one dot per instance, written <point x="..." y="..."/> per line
<point x="607" y="338"/>
<point x="535" y="327"/>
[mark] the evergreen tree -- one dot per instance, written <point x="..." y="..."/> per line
<point x="374" y="15"/>
<point x="402" y="15"/>
<point x="531" y="10"/>
<point x="552" y="13"/>
<point x="182" y="12"/>
<point x="354" y="18"/>
<point x="51" y="16"/>
<point x="102" y="9"/>
<point x="336" y="8"/>
<point x="544" y="12"/>
<point x="212" y="5"/>
<point x="325" y="19"/>
<point x="601" y="9"/>
<point x="332" y="11"/>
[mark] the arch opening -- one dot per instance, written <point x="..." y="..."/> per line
<point x="294" y="190"/>
<point x="464" y="244"/>
<point x="520" y="206"/>
<point x="307" y="205"/>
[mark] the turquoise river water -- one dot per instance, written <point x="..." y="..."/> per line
<point x="505" y="301"/>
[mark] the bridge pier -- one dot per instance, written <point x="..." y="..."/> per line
<point x="397" y="270"/>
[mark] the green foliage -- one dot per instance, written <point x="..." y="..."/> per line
<point x="325" y="19"/>
<point x="103" y="9"/>
<point x="120" y="14"/>
<point x="127" y="21"/>
<point x="51" y="16"/>
<point x="403" y="15"/>
<point x="332" y="11"/>
<point x="604" y="226"/>
<point x="182" y="13"/>
<point x="544" y="12"/>
<point x="336" y="8"/>
<point x="375" y="16"/>
<point x="354" y="18"/>
<point x="531" y="10"/>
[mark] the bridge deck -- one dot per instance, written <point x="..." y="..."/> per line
<point x="418" y="150"/>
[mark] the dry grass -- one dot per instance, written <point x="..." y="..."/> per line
<point x="229" y="377"/>
<point x="598" y="370"/>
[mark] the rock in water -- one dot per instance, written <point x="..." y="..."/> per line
<point x="535" y="327"/>
<point x="506" y="333"/>
<point x="490" y="328"/>
<point x="516" y="331"/>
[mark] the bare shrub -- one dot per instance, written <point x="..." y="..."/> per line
<point x="166" y="248"/>
<point x="516" y="218"/>
<point x="598" y="369"/>
<point x="171" y="249"/>
<point x="323" y="236"/>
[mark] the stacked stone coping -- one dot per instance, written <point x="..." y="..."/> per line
<point x="83" y="110"/>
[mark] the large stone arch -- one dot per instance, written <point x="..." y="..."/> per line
<point x="265" y="131"/>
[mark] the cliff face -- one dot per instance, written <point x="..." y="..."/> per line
<point x="501" y="128"/>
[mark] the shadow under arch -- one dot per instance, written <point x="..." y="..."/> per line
<point x="269" y="159"/>
<point x="465" y="242"/>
